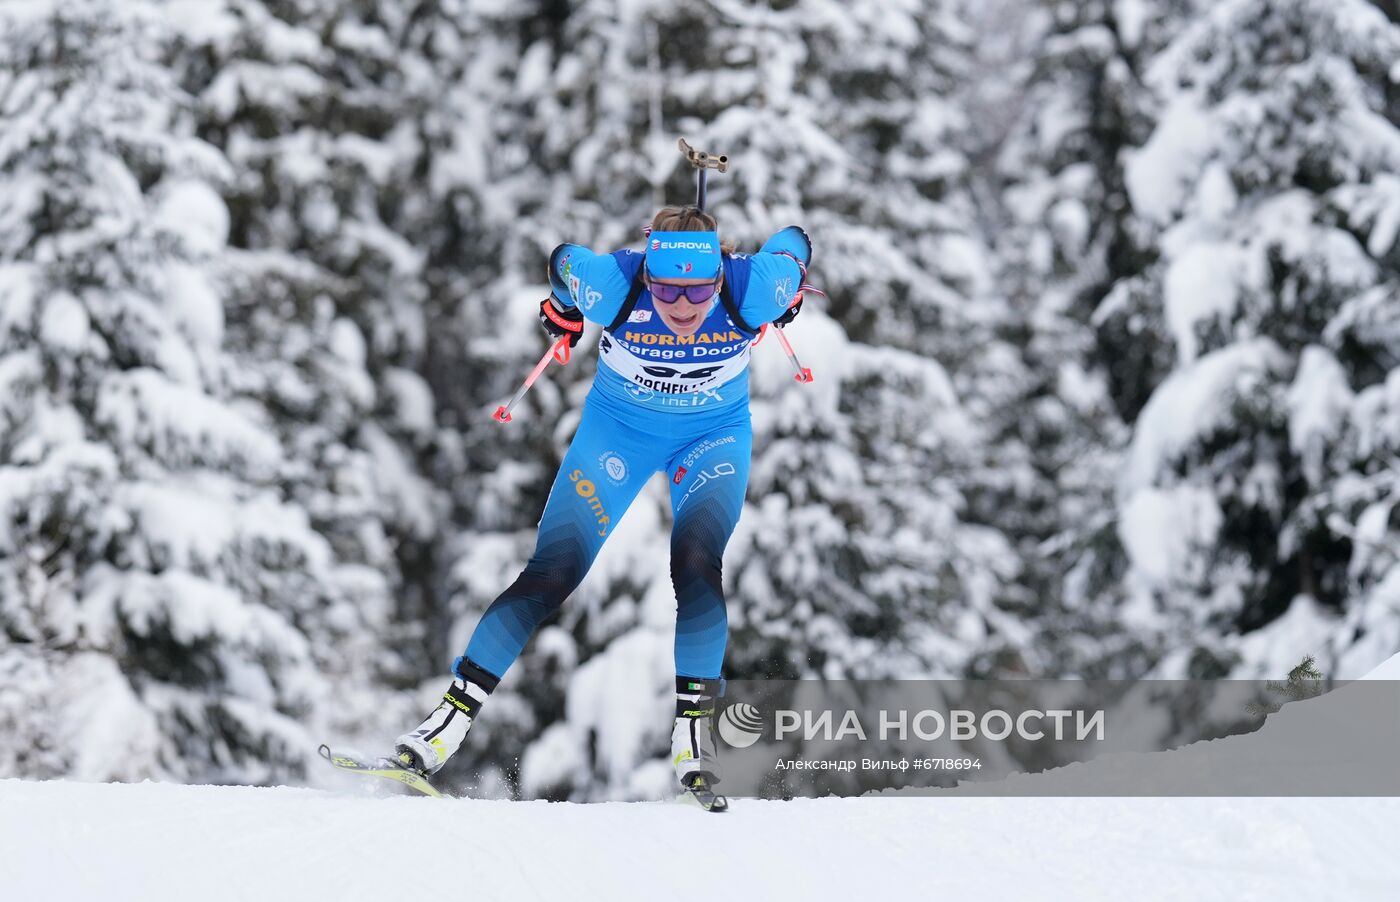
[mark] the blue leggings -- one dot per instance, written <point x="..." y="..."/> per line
<point x="613" y="454"/>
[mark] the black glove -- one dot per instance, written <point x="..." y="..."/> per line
<point x="803" y="287"/>
<point x="558" y="323"/>
<point x="790" y="314"/>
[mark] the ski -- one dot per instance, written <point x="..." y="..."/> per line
<point x="700" y="791"/>
<point x="387" y="768"/>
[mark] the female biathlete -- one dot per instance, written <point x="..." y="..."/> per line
<point x="670" y="394"/>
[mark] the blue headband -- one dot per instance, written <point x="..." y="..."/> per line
<point x="683" y="255"/>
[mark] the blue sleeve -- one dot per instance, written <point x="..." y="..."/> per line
<point x="791" y="240"/>
<point x="594" y="283"/>
<point x="773" y="280"/>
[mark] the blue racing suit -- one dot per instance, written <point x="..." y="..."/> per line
<point x="659" y="402"/>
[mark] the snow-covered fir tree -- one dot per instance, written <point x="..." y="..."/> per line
<point x="1257" y="344"/>
<point x="154" y="580"/>
<point x="335" y="154"/>
<point x="318" y="107"/>
<point x="1067" y="100"/>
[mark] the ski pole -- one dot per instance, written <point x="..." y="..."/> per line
<point x="803" y="374"/>
<point x="557" y="351"/>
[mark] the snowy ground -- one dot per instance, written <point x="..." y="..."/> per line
<point x="149" y="842"/>
<point x="155" y="842"/>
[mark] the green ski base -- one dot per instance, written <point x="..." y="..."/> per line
<point x="385" y="768"/>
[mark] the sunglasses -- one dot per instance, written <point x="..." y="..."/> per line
<point x="696" y="294"/>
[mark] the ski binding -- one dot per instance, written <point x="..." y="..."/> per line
<point x="387" y="768"/>
<point x="702" y="793"/>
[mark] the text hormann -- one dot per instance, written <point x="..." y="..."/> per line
<point x="701" y="338"/>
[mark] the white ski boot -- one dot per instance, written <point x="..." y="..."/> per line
<point x="693" y="749"/>
<point x="426" y="748"/>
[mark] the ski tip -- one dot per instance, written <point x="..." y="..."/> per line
<point x="324" y="751"/>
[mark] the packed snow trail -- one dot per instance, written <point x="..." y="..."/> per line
<point x="153" y="842"/>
